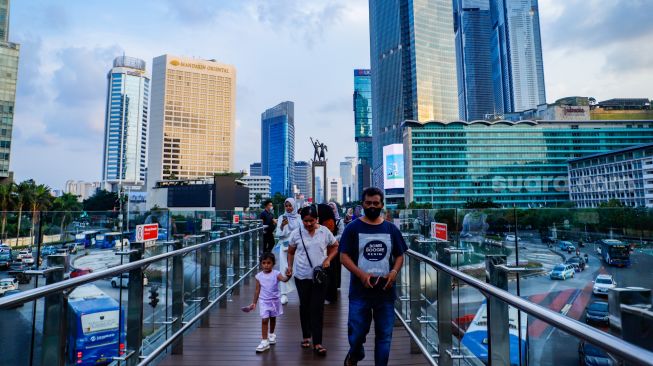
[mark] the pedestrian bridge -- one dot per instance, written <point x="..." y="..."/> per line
<point x="188" y="313"/>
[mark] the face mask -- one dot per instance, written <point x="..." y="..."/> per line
<point x="372" y="213"/>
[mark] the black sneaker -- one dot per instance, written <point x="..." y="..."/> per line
<point x="349" y="361"/>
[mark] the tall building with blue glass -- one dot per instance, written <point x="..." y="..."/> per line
<point x="9" y="53"/>
<point x="472" y="28"/>
<point x="278" y="147"/>
<point x="516" y="48"/>
<point x="413" y="68"/>
<point x="363" y="128"/>
<point x="522" y="164"/>
<point x="126" y="124"/>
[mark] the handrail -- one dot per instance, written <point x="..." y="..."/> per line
<point x="173" y="337"/>
<point x="607" y="342"/>
<point x="36" y="293"/>
<point x="416" y="339"/>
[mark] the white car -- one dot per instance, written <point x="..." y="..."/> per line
<point x="115" y="282"/>
<point x="512" y="238"/>
<point x="7" y="284"/>
<point x="23" y="253"/>
<point x="603" y="284"/>
<point x="28" y="259"/>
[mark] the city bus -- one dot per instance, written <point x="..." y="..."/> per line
<point x="86" y="238"/>
<point x="110" y="240"/>
<point x="475" y="339"/>
<point x="96" y="327"/>
<point x="614" y="252"/>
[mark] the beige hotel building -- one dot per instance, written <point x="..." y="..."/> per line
<point x="192" y="119"/>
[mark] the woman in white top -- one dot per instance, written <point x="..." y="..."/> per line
<point x="290" y="221"/>
<point x="310" y="246"/>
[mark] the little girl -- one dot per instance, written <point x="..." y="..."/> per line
<point x="267" y="290"/>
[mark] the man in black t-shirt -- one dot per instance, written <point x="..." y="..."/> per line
<point x="268" y="233"/>
<point x="372" y="249"/>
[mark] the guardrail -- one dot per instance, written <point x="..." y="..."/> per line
<point x="237" y="249"/>
<point x="438" y="347"/>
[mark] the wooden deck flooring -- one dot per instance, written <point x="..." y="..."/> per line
<point x="233" y="336"/>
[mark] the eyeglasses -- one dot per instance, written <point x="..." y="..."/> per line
<point x="373" y="203"/>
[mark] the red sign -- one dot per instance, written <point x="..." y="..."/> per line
<point x="147" y="232"/>
<point x="439" y="231"/>
<point x="235" y="219"/>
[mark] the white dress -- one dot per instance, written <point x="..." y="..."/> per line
<point x="284" y="239"/>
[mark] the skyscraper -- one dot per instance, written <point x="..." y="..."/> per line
<point x="8" y="76"/>
<point x="125" y="123"/>
<point x="303" y="178"/>
<point x="278" y="147"/>
<point x="192" y="118"/>
<point x="363" y="129"/>
<point x="255" y="169"/>
<point x="347" y="177"/>
<point x="412" y="54"/>
<point x="516" y="48"/>
<point x="473" y="27"/>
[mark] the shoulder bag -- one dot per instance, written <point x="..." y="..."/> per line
<point x="319" y="273"/>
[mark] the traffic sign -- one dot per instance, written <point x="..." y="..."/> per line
<point x="206" y="224"/>
<point x="235" y="219"/>
<point x="439" y="231"/>
<point x="147" y="232"/>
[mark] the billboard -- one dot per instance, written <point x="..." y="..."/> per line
<point x="393" y="166"/>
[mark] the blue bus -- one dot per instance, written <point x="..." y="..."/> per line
<point x="614" y="252"/>
<point x="86" y="238"/>
<point x="110" y="240"/>
<point x="96" y="327"/>
<point x="475" y="339"/>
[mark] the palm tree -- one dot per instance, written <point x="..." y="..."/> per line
<point x="24" y="194"/>
<point x="41" y="200"/>
<point x="66" y="204"/>
<point x="7" y="200"/>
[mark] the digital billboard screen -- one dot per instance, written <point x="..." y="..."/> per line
<point x="393" y="166"/>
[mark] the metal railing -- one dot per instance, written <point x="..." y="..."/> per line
<point x="236" y="251"/>
<point x="413" y="310"/>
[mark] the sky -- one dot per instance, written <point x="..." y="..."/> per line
<point x="299" y="50"/>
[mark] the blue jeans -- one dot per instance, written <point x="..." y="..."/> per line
<point x="361" y="312"/>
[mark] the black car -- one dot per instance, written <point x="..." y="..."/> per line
<point x="578" y="263"/>
<point x="590" y="355"/>
<point x="597" y="312"/>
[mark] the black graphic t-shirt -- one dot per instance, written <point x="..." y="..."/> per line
<point x="373" y="249"/>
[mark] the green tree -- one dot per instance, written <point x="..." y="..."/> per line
<point x="66" y="204"/>
<point x="102" y="200"/>
<point x="41" y="200"/>
<point x="258" y="198"/>
<point x="481" y="203"/>
<point x="24" y="198"/>
<point x="612" y="203"/>
<point x="7" y="202"/>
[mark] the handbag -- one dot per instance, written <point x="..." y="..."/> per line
<point x="319" y="273"/>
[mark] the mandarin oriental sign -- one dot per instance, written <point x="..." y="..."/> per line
<point x="199" y="66"/>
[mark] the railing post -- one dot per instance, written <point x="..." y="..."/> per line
<point x="235" y="260"/>
<point x="497" y="313"/>
<point x="205" y="279"/>
<point x="135" y="304"/>
<point x="177" y="298"/>
<point x="414" y="283"/>
<point x="445" y="344"/>
<point x="247" y="250"/>
<point x="223" y="268"/>
<point x="54" y="329"/>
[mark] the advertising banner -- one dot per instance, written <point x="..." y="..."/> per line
<point x="393" y="166"/>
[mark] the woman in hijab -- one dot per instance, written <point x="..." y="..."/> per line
<point x="290" y="221"/>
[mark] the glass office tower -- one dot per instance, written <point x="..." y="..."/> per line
<point x="473" y="27"/>
<point x="278" y="147"/>
<point x="125" y="126"/>
<point x="516" y="48"/>
<point x="8" y="77"/>
<point x="363" y="129"/>
<point x="413" y="67"/>
<point x="512" y="163"/>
